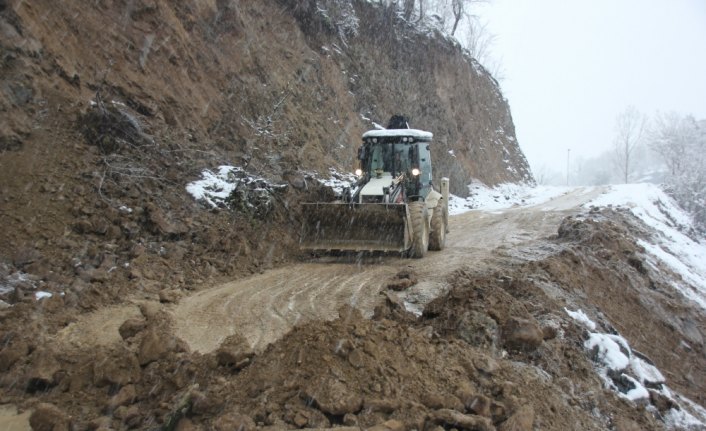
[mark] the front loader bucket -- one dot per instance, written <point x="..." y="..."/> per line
<point x="355" y="227"/>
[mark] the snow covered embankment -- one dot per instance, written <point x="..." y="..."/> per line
<point x="669" y="246"/>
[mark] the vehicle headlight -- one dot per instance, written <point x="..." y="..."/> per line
<point x="358" y="172"/>
<point x="415" y="172"/>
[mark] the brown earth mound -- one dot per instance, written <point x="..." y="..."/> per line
<point x="498" y="351"/>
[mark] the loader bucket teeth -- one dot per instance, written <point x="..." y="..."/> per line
<point x="355" y="227"/>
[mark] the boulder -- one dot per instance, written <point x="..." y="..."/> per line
<point x="234" y="352"/>
<point x="132" y="327"/>
<point x="48" y="417"/>
<point x="333" y="397"/>
<point x="155" y="345"/>
<point x="125" y="396"/>
<point x="522" y="334"/>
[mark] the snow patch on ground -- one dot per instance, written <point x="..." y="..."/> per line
<point x="629" y="373"/>
<point x="41" y="294"/>
<point x="669" y="245"/>
<point x="503" y="196"/>
<point x="582" y="318"/>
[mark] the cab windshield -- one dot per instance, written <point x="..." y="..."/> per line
<point x="389" y="157"/>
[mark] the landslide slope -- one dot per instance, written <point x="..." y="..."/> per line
<point x="109" y="108"/>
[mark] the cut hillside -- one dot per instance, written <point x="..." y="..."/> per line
<point x="110" y="108"/>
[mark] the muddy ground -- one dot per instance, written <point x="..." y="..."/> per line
<point x="338" y="341"/>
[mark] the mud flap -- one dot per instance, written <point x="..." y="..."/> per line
<point x="356" y="227"/>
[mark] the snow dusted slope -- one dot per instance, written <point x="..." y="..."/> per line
<point x="669" y="245"/>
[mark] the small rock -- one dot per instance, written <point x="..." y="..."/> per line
<point x="350" y="420"/>
<point x="394" y="425"/>
<point x="356" y="358"/>
<point x="120" y="367"/>
<point x="43" y="368"/>
<point x="131" y="416"/>
<point x="485" y="364"/>
<point x="14" y="349"/>
<point x="169" y="295"/>
<point x="479" y="405"/>
<point x="454" y="419"/>
<point x="333" y="397"/>
<point x="522" y="334"/>
<point x="155" y="345"/>
<point x="234" y="352"/>
<point x="234" y="422"/>
<point x="125" y="396"/>
<point x="381" y="405"/>
<point x="185" y="424"/>
<point x="103" y="422"/>
<point x="202" y="404"/>
<point x="300" y="420"/>
<point x="48" y="417"/>
<point x="549" y="332"/>
<point x="132" y="327"/>
<point x="438" y="401"/>
<point x="662" y="403"/>
<point x="404" y="279"/>
<point x="521" y="420"/>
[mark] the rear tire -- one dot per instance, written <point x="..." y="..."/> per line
<point x="437" y="236"/>
<point x="420" y="229"/>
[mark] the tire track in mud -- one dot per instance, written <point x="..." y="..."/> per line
<point x="264" y="307"/>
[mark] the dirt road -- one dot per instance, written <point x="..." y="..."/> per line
<point x="264" y="307"/>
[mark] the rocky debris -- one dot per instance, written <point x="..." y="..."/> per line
<point x="48" y="417"/>
<point x="522" y="334"/>
<point x="234" y="352"/>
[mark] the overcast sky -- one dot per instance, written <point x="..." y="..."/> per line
<point x="570" y="67"/>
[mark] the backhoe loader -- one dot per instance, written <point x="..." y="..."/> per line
<point x="391" y="207"/>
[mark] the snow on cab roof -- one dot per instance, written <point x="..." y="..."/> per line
<point x="393" y="133"/>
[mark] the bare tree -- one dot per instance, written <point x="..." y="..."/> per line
<point x="629" y="128"/>
<point x="408" y="9"/>
<point x="671" y="138"/>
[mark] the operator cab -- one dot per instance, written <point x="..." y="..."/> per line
<point x="393" y="157"/>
